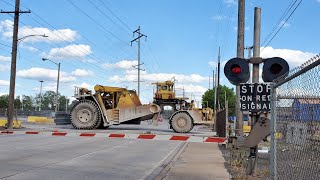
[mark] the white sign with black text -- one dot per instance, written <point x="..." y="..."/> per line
<point x="255" y="97"/>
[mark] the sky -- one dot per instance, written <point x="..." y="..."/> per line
<point x="91" y="39"/>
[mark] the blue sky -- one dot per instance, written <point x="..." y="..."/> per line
<point x="91" y="40"/>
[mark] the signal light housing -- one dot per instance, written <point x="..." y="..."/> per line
<point x="273" y="68"/>
<point x="237" y="71"/>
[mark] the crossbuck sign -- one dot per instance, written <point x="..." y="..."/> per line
<point x="255" y="97"/>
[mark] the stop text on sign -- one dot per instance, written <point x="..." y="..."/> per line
<point x="255" y="97"/>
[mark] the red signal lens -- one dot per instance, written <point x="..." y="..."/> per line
<point x="235" y="69"/>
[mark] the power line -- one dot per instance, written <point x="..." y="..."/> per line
<point x="281" y="26"/>
<point x="107" y="16"/>
<point x="77" y="7"/>
<point x="293" y="2"/>
<point x="116" y="16"/>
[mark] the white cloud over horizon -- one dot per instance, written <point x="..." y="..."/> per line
<point x="71" y="51"/>
<point x="59" y="35"/>
<point x="51" y="86"/>
<point x="44" y="74"/>
<point x="124" y="64"/>
<point x="82" y="73"/>
<point x="5" y="58"/>
<point x="230" y="2"/>
<point x="154" y="77"/>
<point x="293" y="57"/>
<point x="5" y="67"/>
<point x="4" y="83"/>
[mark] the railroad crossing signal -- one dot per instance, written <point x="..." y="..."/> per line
<point x="237" y="69"/>
<point x="273" y="68"/>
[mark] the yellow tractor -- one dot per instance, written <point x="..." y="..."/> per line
<point x="182" y="121"/>
<point x="165" y="95"/>
<point x="185" y="116"/>
<point x="107" y="106"/>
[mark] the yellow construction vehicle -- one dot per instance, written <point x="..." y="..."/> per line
<point x="107" y="106"/>
<point x="182" y="121"/>
<point x="165" y="95"/>
<point x="185" y="116"/>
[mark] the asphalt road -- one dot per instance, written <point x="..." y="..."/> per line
<point x="46" y="157"/>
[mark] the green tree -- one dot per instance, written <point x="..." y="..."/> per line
<point x="63" y="101"/>
<point x="4" y="100"/>
<point x="47" y="100"/>
<point x="27" y="102"/>
<point x="17" y="103"/>
<point x="229" y="93"/>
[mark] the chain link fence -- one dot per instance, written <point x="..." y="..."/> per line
<point x="296" y="124"/>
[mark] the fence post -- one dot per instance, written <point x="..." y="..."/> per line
<point x="273" y="130"/>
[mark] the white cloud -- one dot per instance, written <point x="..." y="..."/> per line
<point x="71" y="51"/>
<point x="5" y="58"/>
<point x="285" y="24"/>
<point x="3" y="93"/>
<point x="59" y="35"/>
<point x="124" y="64"/>
<point x="6" y="26"/>
<point x="4" y="83"/>
<point x="30" y="48"/>
<point x="294" y="57"/>
<point x="214" y="64"/>
<point x="82" y="73"/>
<point x="52" y="86"/>
<point x="230" y="2"/>
<point x="193" y="78"/>
<point x="44" y="74"/>
<point x="219" y="17"/>
<point x="192" y="88"/>
<point x="83" y="85"/>
<point x="4" y="67"/>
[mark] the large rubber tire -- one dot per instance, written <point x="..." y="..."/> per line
<point x="181" y="122"/>
<point x="85" y="115"/>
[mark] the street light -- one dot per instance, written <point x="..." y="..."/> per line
<point x="31" y="35"/>
<point x="15" y="43"/>
<point x="40" y="94"/>
<point x="57" y="91"/>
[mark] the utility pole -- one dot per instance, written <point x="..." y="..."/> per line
<point x="249" y="48"/>
<point x="240" y="54"/>
<point x="13" y="61"/>
<point x="57" y="91"/>
<point x="56" y="100"/>
<point x="255" y="79"/>
<point x="140" y="35"/>
<point x="215" y="104"/>
<point x="213" y="85"/>
<point x="183" y="92"/>
<point x="40" y="94"/>
<point x="218" y="81"/>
